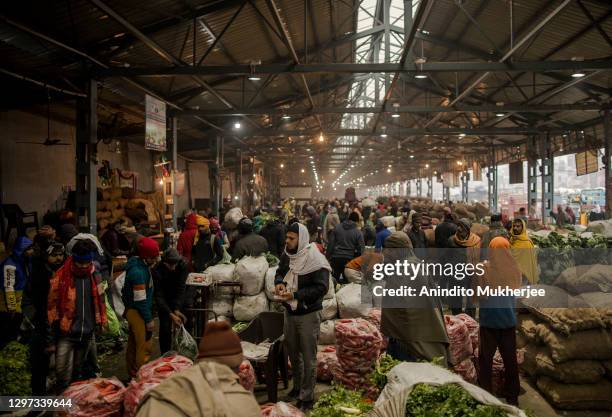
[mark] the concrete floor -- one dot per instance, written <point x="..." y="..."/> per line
<point x="530" y="398"/>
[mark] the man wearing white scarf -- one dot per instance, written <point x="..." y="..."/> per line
<point x="301" y="285"/>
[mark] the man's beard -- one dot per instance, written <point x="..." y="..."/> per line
<point x="291" y="251"/>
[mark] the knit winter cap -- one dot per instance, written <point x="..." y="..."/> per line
<point x="202" y="221"/>
<point x="172" y="256"/>
<point x="148" y="248"/>
<point x="220" y="344"/>
<point x="398" y="240"/>
<point x="245" y="226"/>
<point x="465" y="223"/>
<point x="294" y="228"/>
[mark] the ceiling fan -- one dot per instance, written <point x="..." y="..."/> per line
<point x="48" y="140"/>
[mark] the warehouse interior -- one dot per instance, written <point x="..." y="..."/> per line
<point x="267" y="97"/>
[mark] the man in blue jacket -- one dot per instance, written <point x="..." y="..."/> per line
<point x="14" y="272"/>
<point x="138" y="298"/>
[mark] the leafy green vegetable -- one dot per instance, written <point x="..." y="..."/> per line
<point x="338" y="401"/>
<point x="272" y="260"/>
<point x="378" y="377"/>
<point x="15" y="370"/>
<point x="240" y="326"/>
<point x="448" y="400"/>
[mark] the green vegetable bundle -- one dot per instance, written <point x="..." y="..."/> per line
<point x="341" y="402"/>
<point x="448" y="400"/>
<point x="240" y="326"/>
<point x="15" y="370"/>
<point x="272" y="260"/>
<point x="378" y="377"/>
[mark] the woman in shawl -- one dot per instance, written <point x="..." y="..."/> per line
<point x="413" y="324"/>
<point x="498" y="319"/>
<point x="301" y="286"/>
<point x="465" y="249"/>
<point x="523" y="251"/>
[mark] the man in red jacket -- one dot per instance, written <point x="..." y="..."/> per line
<point x="186" y="239"/>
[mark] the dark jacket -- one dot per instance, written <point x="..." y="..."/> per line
<point x="207" y="252"/>
<point x="274" y="233"/>
<point x="419" y="242"/>
<point x="115" y="243"/>
<point x="37" y="294"/>
<point x="250" y="245"/>
<point x="311" y="288"/>
<point x="170" y="286"/>
<point x="443" y="232"/>
<point x="369" y="235"/>
<point x="496" y="229"/>
<point x="313" y="224"/>
<point x="346" y="241"/>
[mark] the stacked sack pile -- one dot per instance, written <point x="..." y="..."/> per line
<point x="94" y="397"/>
<point x="129" y="207"/>
<point x="251" y="300"/>
<point x="569" y="350"/>
<point x="151" y="375"/>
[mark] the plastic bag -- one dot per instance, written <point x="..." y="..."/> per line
<point x="163" y="367"/>
<point x="246" y="375"/>
<point x="114" y="326"/>
<point x="184" y="343"/>
<point x="281" y="409"/>
<point x="97" y="397"/>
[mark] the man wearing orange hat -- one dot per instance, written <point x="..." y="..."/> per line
<point x="211" y="387"/>
<point x="138" y="296"/>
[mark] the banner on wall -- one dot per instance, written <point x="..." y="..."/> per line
<point x="179" y="182"/>
<point x="155" y="124"/>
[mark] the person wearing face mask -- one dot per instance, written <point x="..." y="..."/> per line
<point x="75" y="307"/>
<point x="215" y="229"/>
<point x="14" y="273"/>
<point x="301" y="284"/>
<point x="50" y="259"/>
<point x="169" y="281"/>
<point x="464" y="249"/>
<point x="138" y="298"/>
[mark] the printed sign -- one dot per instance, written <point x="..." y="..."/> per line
<point x="155" y="124"/>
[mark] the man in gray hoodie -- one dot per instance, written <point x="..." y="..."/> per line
<point x="345" y="242"/>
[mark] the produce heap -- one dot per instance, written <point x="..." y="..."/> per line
<point x="15" y="370"/>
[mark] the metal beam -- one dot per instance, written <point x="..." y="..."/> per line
<point x="433" y="67"/>
<point x="485" y="108"/>
<point x="404" y="131"/>
<point x="506" y="56"/>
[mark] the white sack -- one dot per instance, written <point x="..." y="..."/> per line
<point x="330" y="309"/>
<point x="327" y="335"/>
<point x="247" y="307"/>
<point x="251" y="272"/>
<point x="270" y="276"/>
<point x="223" y="305"/>
<point x="353" y="276"/>
<point x="117" y="288"/>
<point x="349" y="302"/>
<point x="232" y="218"/>
<point x="220" y="273"/>
<point x="331" y="289"/>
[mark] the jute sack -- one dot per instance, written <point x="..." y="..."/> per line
<point x="589" y="344"/>
<point x="581" y="371"/>
<point x="577" y="396"/>
<point x="586" y="278"/>
<point x="602" y="302"/>
<point x="527" y="325"/>
<point x="563" y="312"/>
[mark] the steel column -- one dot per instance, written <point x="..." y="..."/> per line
<point x="86" y="155"/>
<point x="419" y="187"/>
<point x="445" y="194"/>
<point x="465" y="181"/>
<point x="492" y="184"/>
<point x="409" y="187"/>
<point x="608" y="162"/>
<point x="430" y="187"/>
<point x="174" y="122"/>
<point x="547" y="170"/>
<point x="532" y="175"/>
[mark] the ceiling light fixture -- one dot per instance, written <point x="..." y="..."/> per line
<point x="420" y="76"/>
<point x="286" y="117"/>
<point x="282" y="165"/>
<point x="500" y="114"/>
<point x="237" y="125"/>
<point x="578" y="74"/>
<point x="321" y="138"/>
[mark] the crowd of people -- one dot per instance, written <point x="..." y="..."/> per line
<point x="57" y="284"/>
